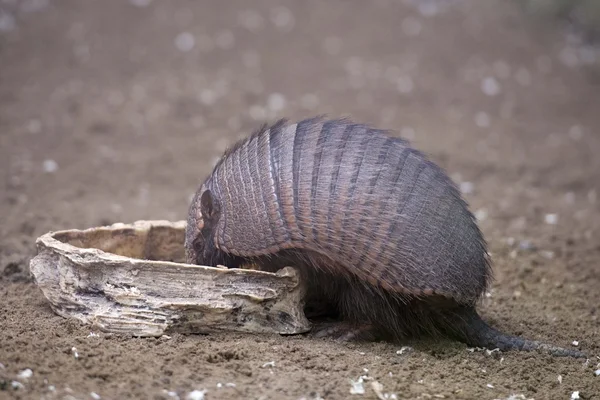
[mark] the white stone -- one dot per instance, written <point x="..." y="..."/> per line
<point x="208" y="97"/>
<point x="490" y="86"/>
<point x="466" y="187"/>
<point x="251" y="20"/>
<point x="196" y="395"/>
<point x="25" y="374"/>
<point x="282" y="18"/>
<point x="50" y="166"/>
<point x="576" y="132"/>
<point x="185" y="41"/>
<point x="276" y="102"/>
<point x="575" y="395"/>
<point x="7" y="22"/>
<point x="551" y="219"/>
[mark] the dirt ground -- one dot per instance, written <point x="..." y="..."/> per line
<point x="114" y="111"/>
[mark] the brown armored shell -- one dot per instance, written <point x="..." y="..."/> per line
<point x="374" y="206"/>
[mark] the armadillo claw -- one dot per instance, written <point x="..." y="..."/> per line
<point x="343" y="331"/>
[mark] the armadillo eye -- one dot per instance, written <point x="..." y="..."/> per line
<point x="198" y="245"/>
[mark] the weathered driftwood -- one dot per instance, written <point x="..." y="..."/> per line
<point x="132" y="279"/>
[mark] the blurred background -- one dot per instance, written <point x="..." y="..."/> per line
<point x="115" y="110"/>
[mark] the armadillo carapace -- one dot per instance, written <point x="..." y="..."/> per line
<point x="379" y="232"/>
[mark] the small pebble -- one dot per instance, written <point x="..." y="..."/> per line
<point x="7" y="22"/>
<point x="25" y="374"/>
<point x="466" y="187"/>
<point x="50" y="166"/>
<point x="559" y="379"/>
<point x="575" y="132"/>
<point x="357" y="386"/>
<point x="95" y="396"/>
<point x="481" y="214"/>
<point x="575" y="395"/>
<point x="490" y="385"/>
<point x="597" y="372"/>
<point x="268" y="364"/>
<point x="551" y="219"/>
<point x="196" y="395"/>
<point x="569" y="197"/>
<point x="276" y="102"/>
<point x="428" y="9"/>
<point x="185" y="41"/>
<point x="251" y="20"/>
<point x="52" y="388"/>
<point x="575" y="343"/>
<point x="490" y="86"/>
<point x="208" y="97"/>
<point x="17" y="385"/>
<point x="526" y="245"/>
<point x="75" y="353"/>
<point x="34" y="126"/>
<point x="547" y="254"/>
<point x="282" y="18"/>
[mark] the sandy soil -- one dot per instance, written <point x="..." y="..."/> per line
<point x="113" y="112"/>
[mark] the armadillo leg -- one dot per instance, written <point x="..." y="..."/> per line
<point x="467" y="326"/>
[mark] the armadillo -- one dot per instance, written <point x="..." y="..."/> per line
<point x="379" y="231"/>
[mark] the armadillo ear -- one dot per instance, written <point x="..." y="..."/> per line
<point x="208" y="204"/>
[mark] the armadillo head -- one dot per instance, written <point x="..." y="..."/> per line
<point x="203" y="214"/>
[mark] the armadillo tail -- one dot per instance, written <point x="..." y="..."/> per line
<point x="468" y="327"/>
